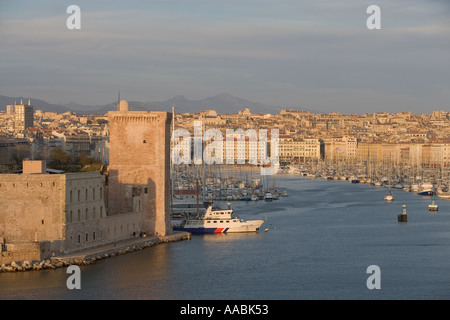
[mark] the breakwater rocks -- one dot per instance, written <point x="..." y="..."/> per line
<point x="37" y="265"/>
<point x="92" y="256"/>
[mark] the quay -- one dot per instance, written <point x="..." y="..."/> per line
<point x="119" y="248"/>
<point x="89" y="256"/>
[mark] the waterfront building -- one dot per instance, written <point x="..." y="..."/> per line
<point x="340" y="149"/>
<point x="369" y="151"/>
<point x="46" y="212"/>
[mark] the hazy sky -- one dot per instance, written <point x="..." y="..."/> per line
<point x="313" y="54"/>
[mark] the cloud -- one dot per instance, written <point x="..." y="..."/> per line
<point x="284" y="52"/>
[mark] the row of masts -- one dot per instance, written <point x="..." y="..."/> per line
<point x="396" y="176"/>
<point x="225" y="183"/>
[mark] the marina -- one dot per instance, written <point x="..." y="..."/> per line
<point x="423" y="180"/>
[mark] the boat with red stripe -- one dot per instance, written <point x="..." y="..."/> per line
<point x="218" y="221"/>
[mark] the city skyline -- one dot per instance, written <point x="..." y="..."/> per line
<point x="317" y="55"/>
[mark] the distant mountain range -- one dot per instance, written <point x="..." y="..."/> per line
<point x="222" y="103"/>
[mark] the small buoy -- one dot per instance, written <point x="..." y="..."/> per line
<point x="267" y="229"/>
<point x="403" y="217"/>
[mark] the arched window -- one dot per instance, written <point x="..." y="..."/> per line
<point x="70" y="198"/>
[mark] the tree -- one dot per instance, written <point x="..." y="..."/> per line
<point x="59" y="158"/>
<point x="102" y="121"/>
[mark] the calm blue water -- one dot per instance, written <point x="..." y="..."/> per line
<point x="321" y="240"/>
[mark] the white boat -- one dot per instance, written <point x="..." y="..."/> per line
<point x="425" y="189"/>
<point x="218" y="221"/>
<point x="388" y="197"/>
<point x="443" y="195"/>
<point x="268" y="196"/>
<point x="254" y="197"/>
<point x="284" y="194"/>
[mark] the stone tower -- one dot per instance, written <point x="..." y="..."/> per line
<point x="139" y="167"/>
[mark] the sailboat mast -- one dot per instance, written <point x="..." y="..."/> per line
<point x="172" y="172"/>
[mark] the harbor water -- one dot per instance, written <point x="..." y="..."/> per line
<point x="319" y="243"/>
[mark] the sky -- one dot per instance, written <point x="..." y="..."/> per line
<point x="318" y="54"/>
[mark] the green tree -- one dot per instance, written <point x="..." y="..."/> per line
<point x="102" y="121"/>
<point x="59" y="158"/>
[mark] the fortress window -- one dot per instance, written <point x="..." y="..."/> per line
<point x="145" y="141"/>
<point x="79" y="238"/>
<point x="42" y="221"/>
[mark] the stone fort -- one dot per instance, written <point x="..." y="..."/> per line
<point x="45" y="214"/>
